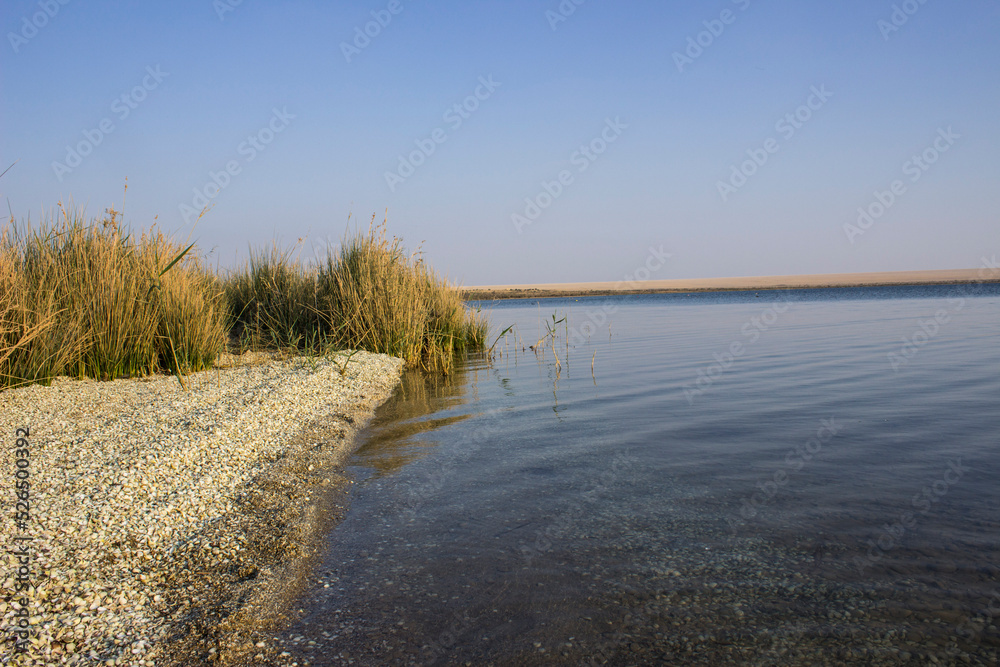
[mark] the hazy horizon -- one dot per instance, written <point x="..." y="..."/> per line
<point x="520" y="143"/>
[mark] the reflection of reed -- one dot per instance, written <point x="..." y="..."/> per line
<point x="388" y="442"/>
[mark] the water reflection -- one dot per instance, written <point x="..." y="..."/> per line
<point x="390" y="440"/>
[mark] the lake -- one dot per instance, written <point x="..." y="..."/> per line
<point x="790" y="477"/>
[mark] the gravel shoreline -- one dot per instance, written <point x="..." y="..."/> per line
<point x="172" y="526"/>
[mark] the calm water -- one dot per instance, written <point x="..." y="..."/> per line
<point x="802" y="477"/>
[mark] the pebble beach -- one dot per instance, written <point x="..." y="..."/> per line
<point x="170" y="524"/>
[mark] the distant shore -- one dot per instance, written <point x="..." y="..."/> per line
<point x="814" y="281"/>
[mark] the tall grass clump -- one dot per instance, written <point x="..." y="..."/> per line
<point x="380" y="299"/>
<point x="89" y="299"/>
<point x="370" y="295"/>
<point x="273" y="302"/>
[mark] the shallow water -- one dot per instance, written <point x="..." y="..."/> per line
<point x="824" y="492"/>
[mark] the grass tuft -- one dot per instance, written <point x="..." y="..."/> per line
<point x="91" y="299"/>
<point x="370" y="295"/>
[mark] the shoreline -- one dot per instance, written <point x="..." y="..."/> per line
<point x="756" y="283"/>
<point x="181" y="520"/>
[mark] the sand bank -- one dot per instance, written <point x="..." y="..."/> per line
<point x="944" y="277"/>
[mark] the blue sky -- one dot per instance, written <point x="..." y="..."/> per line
<point x="309" y="134"/>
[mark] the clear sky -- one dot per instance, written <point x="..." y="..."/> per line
<point x="739" y="136"/>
